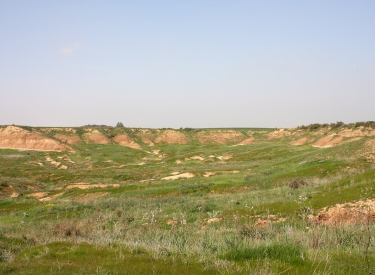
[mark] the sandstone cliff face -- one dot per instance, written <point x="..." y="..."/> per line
<point x="171" y="136"/>
<point x="94" y="136"/>
<point x="125" y="140"/>
<point x="70" y="139"/>
<point x="17" y="138"/>
<point x="220" y="136"/>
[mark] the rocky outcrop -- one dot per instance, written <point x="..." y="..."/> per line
<point x="171" y="136"/>
<point x="17" y="138"/>
<point x="125" y="140"/>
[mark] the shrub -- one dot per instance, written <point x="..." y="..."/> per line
<point x="119" y="125"/>
<point x="295" y="184"/>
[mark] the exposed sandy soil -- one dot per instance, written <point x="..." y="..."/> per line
<point x="172" y="222"/>
<point x="180" y="176"/>
<point x="51" y="197"/>
<point x="220" y="136"/>
<point x="18" y="138"/>
<point x="148" y="141"/>
<point x="225" y="157"/>
<point x="230" y="172"/>
<point x="178" y="161"/>
<point x="323" y="141"/>
<point x="350" y="140"/>
<point x="125" y="140"/>
<point x="196" y="158"/>
<point x="156" y="152"/>
<point x="360" y="132"/>
<point x="56" y="164"/>
<point x="70" y="139"/>
<point x="83" y="185"/>
<point x="332" y="142"/>
<point x="94" y="136"/>
<point x="279" y="133"/>
<point x="301" y="141"/>
<point x="347" y="213"/>
<point x="214" y="220"/>
<point x="247" y="141"/>
<point x="209" y="174"/>
<point x="171" y="137"/>
<point x="37" y="195"/>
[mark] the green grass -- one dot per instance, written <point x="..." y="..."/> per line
<point x="148" y="225"/>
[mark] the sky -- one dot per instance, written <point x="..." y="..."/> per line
<point x="186" y="63"/>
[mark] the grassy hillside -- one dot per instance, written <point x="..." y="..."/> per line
<point x="190" y="201"/>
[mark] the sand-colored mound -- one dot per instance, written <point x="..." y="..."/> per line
<point x="358" y="132"/>
<point x="180" y="176"/>
<point x="148" y="141"/>
<point x="333" y="142"/>
<point x="328" y="141"/>
<point x="197" y="158"/>
<point x="52" y="197"/>
<point x="301" y="141"/>
<point x="18" y="138"/>
<point x="225" y="157"/>
<point x="247" y="141"/>
<point x="347" y="213"/>
<point x="350" y="140"/>
<point x="323" y="141"/>
<point x="279" y="133"/>
<point x="83" y="185"/>
<point x="220" y="136"/>
<point x="70" y="139"/>
<point x="125" y="140"/>
<point x="209" y="174"/>
<point x="37" y="195"/>
<point x="94" y="136"/>
<point x="171" y="136"/>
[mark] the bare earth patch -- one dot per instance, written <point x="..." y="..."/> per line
<point x="94" y="136"/>
<point x="83" y="185"/>
<point x="197" y="158"/>
<point x="70" y="139"/>
<point x="51" y="197"/>
<point x="37" y="195"/>
<point x="279" y="133"/>
<point x="225" y="157"/>
<point x="220" y="136"/>
<point x="346" y="213"/>
<point x="322" y="141"/>
<point x="126" y="141"/>
<point x="148" y="142"/>
<point x="247" y="141"/>
<point x="180" y="176"/>
<point x="171" y="137"/>
<point x="18" y="138"/>
<point x="350" y="140"/>
<point x="209" y="174"/>
<point x="332" y="142"/>
<point x="301" y="141"/>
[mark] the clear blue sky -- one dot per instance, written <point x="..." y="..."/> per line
<point x="186" y="63"/>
